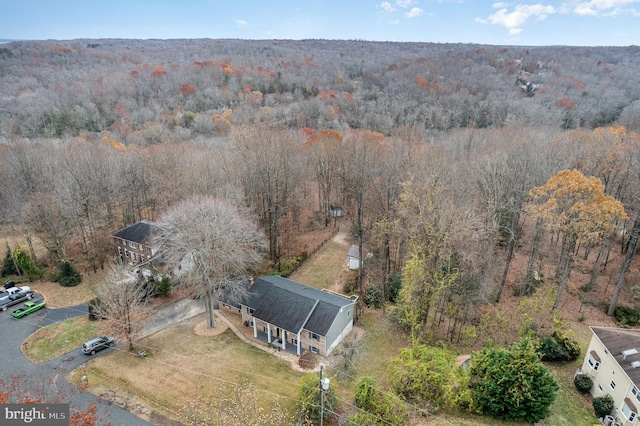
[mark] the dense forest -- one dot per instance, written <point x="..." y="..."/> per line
<point x="470" y="172"/>
<point x="431" y="149"/>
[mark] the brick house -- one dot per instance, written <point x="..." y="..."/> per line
<point x="134" y="244"/>
<point x="613" y="363"/>
<point x="295" y="317"/>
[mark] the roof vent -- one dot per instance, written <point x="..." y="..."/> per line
<point x="636" y="364"/>
<point x="629" y="352"/>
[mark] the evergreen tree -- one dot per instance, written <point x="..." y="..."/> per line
<point x="512" y="384"/>
<point x="69" y="275"/>
<point x="9" y="266"/>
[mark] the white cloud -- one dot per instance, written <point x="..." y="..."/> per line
<point x="500" y="5"/>
<point x="241" y="24"/>
<point x="513" y="21"/>
<point x="599" y="7"/>
<point x="405" y="3"/>
<point x="414" y="12"/>
<point x="386" y="6"/>
<point x="394" y="22"/>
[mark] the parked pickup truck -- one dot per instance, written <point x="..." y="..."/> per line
<point x="12" y="290"/>
<point x="15" y="298"/>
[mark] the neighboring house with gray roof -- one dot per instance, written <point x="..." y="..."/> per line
<point x="294" y="316"/>
<point x="134" y="243"/>
<point x="613" y="363"/>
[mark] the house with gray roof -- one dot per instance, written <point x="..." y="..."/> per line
<point x="293" y="316"/>
<point x="613" y="363"/>
<point x="135" y="243"/>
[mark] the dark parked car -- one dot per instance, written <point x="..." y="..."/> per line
<point x="15" y="298"/>
<point x="96" y="344"/>
<point x="9" y="284"/>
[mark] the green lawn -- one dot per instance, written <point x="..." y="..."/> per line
<point x="57" y="339"/>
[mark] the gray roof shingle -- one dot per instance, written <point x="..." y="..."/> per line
<point x="142" y="232"/>
<point x="617" y="340"/>
<point x="293" y="306"/>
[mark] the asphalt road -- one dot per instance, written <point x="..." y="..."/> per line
<point x="13" y="332"/>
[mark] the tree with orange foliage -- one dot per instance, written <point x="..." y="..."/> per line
<point x="187" y="90"/>
<point x="158" y="71"/>
<point x="577" y="207"/>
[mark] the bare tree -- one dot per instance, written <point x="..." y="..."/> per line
<point x="121" y="304"/>
<point x="271" y="172"/>
<point x="211" y="245"/>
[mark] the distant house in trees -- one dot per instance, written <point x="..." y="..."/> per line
<point x="134" y="243"/>
<point x="613" y="363"/>
<point x="295" y="317"/>
<point x="354" y="257"/>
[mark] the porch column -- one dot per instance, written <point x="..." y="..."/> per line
<point x="268" y="333"/>
<point x="284" y="340"/>
<point x="298" y="344"/>
<point x="255" y="328"/>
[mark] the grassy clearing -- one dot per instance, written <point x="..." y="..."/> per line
<point x="570" y="408"/>
<point x="326" y="266"/>
<point x="181" y="363"/>
<point x="54" y="340"/>
<point x="58" y="296"/>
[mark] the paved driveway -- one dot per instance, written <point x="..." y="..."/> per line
<point x="13" y="332"/>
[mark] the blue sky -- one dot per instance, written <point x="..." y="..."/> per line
<point x="560" y="22"/>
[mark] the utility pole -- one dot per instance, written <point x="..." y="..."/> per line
<point x="324" y="386"/>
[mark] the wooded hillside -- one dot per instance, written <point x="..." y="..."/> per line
<point x="431" y="149"/>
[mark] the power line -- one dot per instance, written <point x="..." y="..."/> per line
<point x="244" y="372"/>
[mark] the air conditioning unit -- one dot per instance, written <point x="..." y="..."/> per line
<point x="608" y="420"/>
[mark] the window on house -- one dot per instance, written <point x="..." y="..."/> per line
<point x="294" y="341"/>
<point x="250" y="310"/>
<point x="628" y="413"/>
<point x="314" y="336"/>
<point x="251" y="323"/>
<point x="226" y="306"/>
<point x="636" y="393"/>
<point x="314" y="350"/>
<point x="612" y="384"/>
<point x="593" y="363"/>
<point x="265" y="329"/>
<point x="132" y="244"/>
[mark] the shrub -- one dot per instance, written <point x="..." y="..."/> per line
<point x="286" y="267"/>
<point x="93" y="303"/>
<point x="350" y="286"/>
<point x="9" y="265"/>
<point x="627" y="316"/>
<point x="69" y="275"/>
<point x="603" y="405"/>
<point x="372" y="297"/>
<point x="163" y="286"/>
<point x="512" y="384"/>
<point x="394" y="284"/>
<point x="558" y="347"/>
<point x="583" y="383"/>
<point x="377" y="408"/>
<point x="307" y="408"/>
